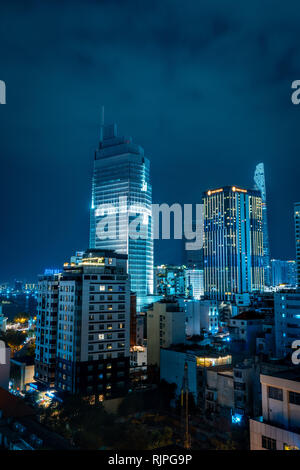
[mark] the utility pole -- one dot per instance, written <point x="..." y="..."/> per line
<point x="185" y="409"/>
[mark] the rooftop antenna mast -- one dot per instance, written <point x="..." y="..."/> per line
<point x="185" y="408"/>
<point x="102" y="124"/>
<point x="102" y="115"/>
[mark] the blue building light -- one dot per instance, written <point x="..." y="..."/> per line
<point x="236" y="418"/>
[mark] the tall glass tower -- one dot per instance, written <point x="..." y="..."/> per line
<point x="233" y="242"/>
<point x="260" y="185"/>
<point x="121" y="190"/>
<point x="297" y="239"/>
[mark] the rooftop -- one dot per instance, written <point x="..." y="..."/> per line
<point x="13" y="406"/>
<point x="248" y="315"/>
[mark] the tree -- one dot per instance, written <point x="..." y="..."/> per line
<point x="14" y="339"/>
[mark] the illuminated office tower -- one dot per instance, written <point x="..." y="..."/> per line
<point x="260" y="185"/>
<point x="233" y="242"/>
<point x="297" y="239"/>
<point x="121" y="179"/>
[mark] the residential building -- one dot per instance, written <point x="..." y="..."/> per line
<point x="165" y="326"/>
<point x="198" y="359"/>
<point x="279" y="426"/>
<point x="46" y="329"/>
<point x="93" y="326"/>
<point x="287" y="321"/>
<point x="21" y="372"/>
<point x="243" y="329"/>
<point x="3" y="321"/>
<point x="192" y="316"/>
<point x="4" y="365"/>
<point x="90" y="312"/>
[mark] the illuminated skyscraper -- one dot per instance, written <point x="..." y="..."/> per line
<point x="260" y="185"/>
<point x="233" y="242"/>
<point x="121" y="182"/>
<point x="297" y="239"/>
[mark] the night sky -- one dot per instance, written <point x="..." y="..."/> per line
<point x="203" y="86"/>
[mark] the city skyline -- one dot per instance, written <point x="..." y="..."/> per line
<point x="205" y="117"/>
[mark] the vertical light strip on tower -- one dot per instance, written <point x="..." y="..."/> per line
<point x="260" y="185"/>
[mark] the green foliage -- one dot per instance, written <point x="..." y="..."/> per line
<point x="91" y="427"/>
<point x="13" y="338"/>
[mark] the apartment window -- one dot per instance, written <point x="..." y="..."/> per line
<point x="268" y="443"/>
<point x="294" y="398"/>
<point x="239" y="386"/>
<point x="238" y="374"/>
<point x="102" y="288"/>
<point x="275" y="393"/>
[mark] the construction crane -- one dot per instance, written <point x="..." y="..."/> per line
<point x="185" y="409"/>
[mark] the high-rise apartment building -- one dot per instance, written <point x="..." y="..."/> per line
<point x="233" y="242"/>
<point x="46" y="329"/>
<point x="90" y="315"/>
<point x="297" y="239"/>
<point x="260" y="185"/>
<point x="122" y="196"/>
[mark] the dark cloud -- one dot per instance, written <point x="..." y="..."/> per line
<point x="204" y="87"/>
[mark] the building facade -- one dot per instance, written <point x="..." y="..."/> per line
<point x="92" y="313"/>
<point x="165" y="326"/>
<point x="233" y="242"/>
<point x="46" y="329"/>
<point x="260" y="185"/>
<point x="170" y="280"/>
<point x="297" y="239"/>
<point x="283" y="272"/>
<point x="194" y="280"/>
<point x="121" y="200"/>
<point x="287" y="321"/>
<point x="279" y="426"/>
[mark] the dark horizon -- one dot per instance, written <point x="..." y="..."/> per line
<point x="204" y="89"/>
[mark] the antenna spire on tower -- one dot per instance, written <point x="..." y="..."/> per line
<point x="102" y="115"/>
